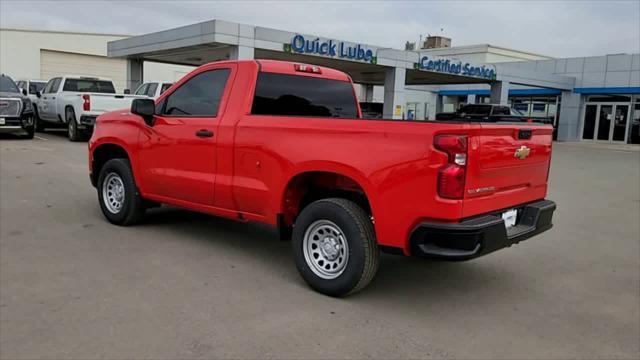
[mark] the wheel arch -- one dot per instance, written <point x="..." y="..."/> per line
<point x="104" y="152"/>
<point x="310" y="184"/>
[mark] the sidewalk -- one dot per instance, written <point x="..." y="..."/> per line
<point x="595" y="145"/>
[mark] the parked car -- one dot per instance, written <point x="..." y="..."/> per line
<point x="76" y="101"/>
<point x="30" y="88"/>
<point x="153" y="89"/>
<point x="16" y="110"/>
<point x="296" y="154"/>
<point x="371" y="110"/>
<point x="489" y="113"/>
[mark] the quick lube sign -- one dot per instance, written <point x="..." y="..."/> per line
<point x="456" y="68"/>
<point x="337" y="49"/>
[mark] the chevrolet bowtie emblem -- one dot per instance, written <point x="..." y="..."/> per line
<point x="522" y="152"/>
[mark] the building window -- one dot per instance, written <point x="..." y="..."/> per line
<point x="609" y="98"/>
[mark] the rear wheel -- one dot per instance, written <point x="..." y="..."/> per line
<point x="118" y="195"/>
<point x="72" y="126"/>
<point x="334" y="246"/>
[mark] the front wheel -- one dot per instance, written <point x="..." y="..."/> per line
<point x="118" y="195"/>
<point x="37" y="122"/>
<point x="30" y="130"/>
<point x="335" y="247"/>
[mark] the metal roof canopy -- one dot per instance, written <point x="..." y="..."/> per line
<point x="216" y="40"/>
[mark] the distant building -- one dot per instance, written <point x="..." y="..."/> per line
<point x="43" y="54"/>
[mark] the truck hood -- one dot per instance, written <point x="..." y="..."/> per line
<point x="11" y="95"/>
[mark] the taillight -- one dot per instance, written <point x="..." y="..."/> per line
<point x="86" y="103"/>
<point x="451" y="176"/>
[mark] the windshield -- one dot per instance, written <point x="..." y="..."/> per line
<point x="7" y="85"/>
<point x="516" y="112"/>
<point x="475" y="109"/>
<point x="89" y="85"/>
<point x="35" y="86"/>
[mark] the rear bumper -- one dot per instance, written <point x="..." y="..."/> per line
<point x="87" y="120"/>
<point x="480" y="235"/>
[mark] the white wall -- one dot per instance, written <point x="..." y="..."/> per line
<point x="20" y="53"/>
<point x="154" y="71"/>
<point x="20" y="49"/>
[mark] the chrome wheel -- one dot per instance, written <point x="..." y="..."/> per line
<point x="113" y="193"/>
<point x="325" y="249"/>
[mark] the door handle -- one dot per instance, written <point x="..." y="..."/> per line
<point x="204" y="133"/>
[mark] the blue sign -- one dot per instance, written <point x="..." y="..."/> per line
<point x="457" y="68"/>
<point x="330" y="48"/>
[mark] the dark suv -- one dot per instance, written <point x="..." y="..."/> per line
<point x="16" y="110"/>
<point x="489" y="113"/>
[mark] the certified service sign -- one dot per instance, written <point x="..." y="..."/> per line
<point x="330" y="48"/>
<point x="456" y="68"/>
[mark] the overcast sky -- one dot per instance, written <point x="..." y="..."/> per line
<point x="555" y="28"/>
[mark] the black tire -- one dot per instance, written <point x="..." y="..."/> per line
<point x="363" y="254"/>
<point x="37" y="122"/>
<point x="72" y="126"/>
<point x="132" y="209"/>
<point x="30" y="132"/>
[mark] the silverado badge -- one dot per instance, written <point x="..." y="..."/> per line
<point x="522" y="152"/>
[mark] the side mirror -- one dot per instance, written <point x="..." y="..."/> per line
<point x="127" y="91"/>
<point x="23" y="91"/>
<point x="39" y="94"/>
<point x="145" y="108"/>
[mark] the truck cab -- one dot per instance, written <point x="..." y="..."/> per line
<point x="30" y="88"/>
<point x="76" y="101"/>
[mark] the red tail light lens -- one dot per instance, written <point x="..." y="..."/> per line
<point x="451" y="176"/>
<point x="86" y="103"/>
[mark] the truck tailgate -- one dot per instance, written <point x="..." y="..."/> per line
<point x="508" y="165"/>
<point x="108" y="102"/>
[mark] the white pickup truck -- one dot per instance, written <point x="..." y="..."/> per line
<point x="76" y="102"/>
<point x="153" y="89"/>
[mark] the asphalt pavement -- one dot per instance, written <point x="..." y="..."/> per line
<point x="186" y="285"/>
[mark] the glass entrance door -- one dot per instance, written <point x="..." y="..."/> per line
<point x="620" y="120"/>
<point x="590" y="120"/>
<point x="606" y="122"/>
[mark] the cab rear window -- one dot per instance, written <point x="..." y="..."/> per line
<point x="89" y="85"/>
<point x="294" y="95"/>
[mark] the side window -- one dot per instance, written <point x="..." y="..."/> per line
<point x="53" y="85"/>
<point x="21" y="85"/>
<point x="199" y="96"/>
<point x="142" y="89"/>
<point x="47" y="88"/>
<point x="501" y="110"/>
<point x="165" y="87"/>
<point x="151" y="90"/>
<point x="295" y="95"/>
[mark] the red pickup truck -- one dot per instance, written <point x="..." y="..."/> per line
<point x="285" y="144"/>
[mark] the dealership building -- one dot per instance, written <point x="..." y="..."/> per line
<point x="589" y="98"/>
